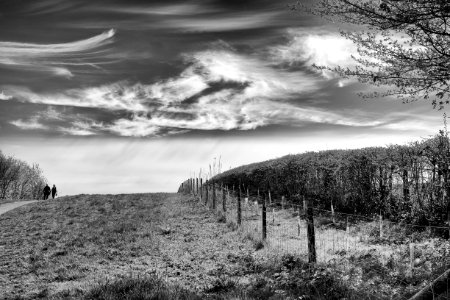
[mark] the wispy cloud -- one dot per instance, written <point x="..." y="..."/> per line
<point x="56" y="121"/>
<point x="183" y="9"/>
<point x="222" y="23"/>
<point x="219" y="89"/>
<point x="31" y="124"/>
<point x="37" y="121"/>
<point x="82" y="128"/>
<point x="54" y="58"/>
<point x="118" y="96"/>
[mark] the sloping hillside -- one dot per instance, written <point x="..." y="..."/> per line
<point x="67" y="246"/>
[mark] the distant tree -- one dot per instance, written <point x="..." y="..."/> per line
<point x="18" y="180"/>
<point x="402" y="44"/>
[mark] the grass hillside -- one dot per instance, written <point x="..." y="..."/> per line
<point x="149" y="246"/>
<point x="68" y="246"/>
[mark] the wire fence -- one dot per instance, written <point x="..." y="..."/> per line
<point x="396" y="259"/>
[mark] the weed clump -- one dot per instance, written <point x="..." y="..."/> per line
<point x="221" y="218"/>
<point x="232" y="226"/>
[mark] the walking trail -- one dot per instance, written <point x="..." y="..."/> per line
<point x="10" y="206"/>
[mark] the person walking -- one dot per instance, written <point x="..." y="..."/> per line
<point x="46" y="192"/>
<point x="54" y="192"/>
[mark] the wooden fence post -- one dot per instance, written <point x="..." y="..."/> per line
<point x="214" y="196"/>
<point x="283" y="199"/>
<point x="201" y="189"/>
<point x="381" y="225"/>
<point x="264" y="220"/>
<point x="224" y="200"/>
<point x="312" y="257"/>
<point x="270" y="199"/>
<point x="347" y="231"/>
<point x="239" y="210"/>
<point x="332" y="213"/>
<point x="304" y="206"/>
<point x="207" y="192"/>
<point x="196" y="189"/>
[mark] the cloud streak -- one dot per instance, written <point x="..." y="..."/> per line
<point x="219" y="89"/>
<point x="54" y="58"/>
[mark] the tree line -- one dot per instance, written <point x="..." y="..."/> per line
<point x="404" y="182"/>
<point x="19" y="180"/>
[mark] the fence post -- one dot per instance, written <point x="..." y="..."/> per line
<point x="332" y="213"/>
<point x="201" y="189"/>
<point x="304" y="206"/>
<point x="214" y="196"/>
<point x="312" y="258"/>
<point x="347" y="231"/>
<point x="239" y="210"/>
<point x="264" y="220"/>
<point x="283" y="199"/>
<point x="207" y="194"/>
<point x="270" y="199"/>
<point x="224" y="199"/>
<point x="381" y="225"/>
<point x="196" y="189"/>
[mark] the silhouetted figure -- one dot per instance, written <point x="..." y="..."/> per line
<point x="53" y="192"/>
<point x="46" y="192"/>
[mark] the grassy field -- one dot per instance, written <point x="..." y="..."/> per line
<point x="159" y="246"/>
<point x="69" y="245"/>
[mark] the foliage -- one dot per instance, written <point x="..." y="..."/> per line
<point x="18" y="180"/>
<point x="402" y="44"/>
<point x="406" y="183"/>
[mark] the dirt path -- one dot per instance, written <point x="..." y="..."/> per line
<point x="10" y="206"/>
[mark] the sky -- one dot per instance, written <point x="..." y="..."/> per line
<point x="116" y="96"/>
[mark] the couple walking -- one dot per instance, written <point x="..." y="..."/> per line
<point x="47" y="191"/>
